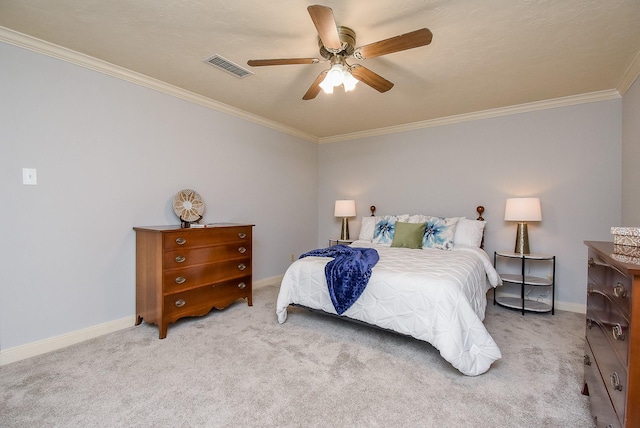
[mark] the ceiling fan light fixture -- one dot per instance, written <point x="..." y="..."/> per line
<point x="326" y="86"/>
<point x="349" y="81"/>
<point x="336" y="76"/>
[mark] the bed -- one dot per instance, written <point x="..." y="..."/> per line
<point x="435" y="293"/>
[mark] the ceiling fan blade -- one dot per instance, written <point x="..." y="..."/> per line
<point x="281" y="61"/>
<point x="370" y="78"/>
<point x="325" y="23"/>
<point x="410" y="40"/>
<point x="314" y="89"/>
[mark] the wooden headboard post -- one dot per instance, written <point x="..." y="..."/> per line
<point x="480" y="210"/>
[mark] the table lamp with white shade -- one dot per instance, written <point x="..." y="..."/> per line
<point x="522" y="210"/>
<point x="345" y="209"/>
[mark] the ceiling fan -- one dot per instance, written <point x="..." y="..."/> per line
<point x="337" y="43"/>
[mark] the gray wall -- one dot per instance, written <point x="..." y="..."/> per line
<point x="111" y="155"/>
<point x="631" y="156"/>
<point x="570" y="157"/>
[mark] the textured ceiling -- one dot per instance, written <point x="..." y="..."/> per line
<point x="485" y="54"/>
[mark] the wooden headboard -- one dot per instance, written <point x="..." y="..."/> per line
<point x="479" y="210"/>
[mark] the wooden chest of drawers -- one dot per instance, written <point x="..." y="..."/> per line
<point x="612" y="346"/>
<point x="187" y="272"/>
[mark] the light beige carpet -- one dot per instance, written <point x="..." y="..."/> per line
<point x="239" y="367"/>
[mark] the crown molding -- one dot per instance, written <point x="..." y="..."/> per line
<point x="479" y="115"/>
<point x="68" y="55"/>
<point x="630" y="75"/>
<point x="46" y="48"/>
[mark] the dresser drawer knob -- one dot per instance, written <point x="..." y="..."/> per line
<point x="618" y="334"/>
<point x="181" y="241"/>
<point x="242" y="285"/>
<point x="242" y="266"/>
<point x="619" y="290"/>
<point x="180" y="303"/>
<point x="180" y="259"/>
<point x="587" y="360"/>
<point x="242" y="235"/>
<point x="589" y="323"/>
<point x="242" y="250"/>
<point x="591" y="263"/>
<point x="180" y="280"/>
<point x="615" y="381"/>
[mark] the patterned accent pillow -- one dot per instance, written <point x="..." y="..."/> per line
<point x="439" y="232"/>
<point x="385" y="228"/>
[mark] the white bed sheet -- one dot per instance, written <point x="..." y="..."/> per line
<point x="433" y="295"/>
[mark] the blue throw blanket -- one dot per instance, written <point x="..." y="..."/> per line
<point x="347" y="274"/>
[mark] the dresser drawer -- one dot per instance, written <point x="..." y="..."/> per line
<point x="620" y="288"/>
<point x="189" y="238"/>
<point x="607" y="319"/>
<point x="202" y="299"/>
<point x="174" y="259"/>
<point x="601" y="406"/>
<point x="195" y="276"/>
<point x="604" y="278"/>
<point x="613" y="371"/>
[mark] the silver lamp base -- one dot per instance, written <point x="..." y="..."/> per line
<point x="522" y="239"/>
<point x="344" y="234"/>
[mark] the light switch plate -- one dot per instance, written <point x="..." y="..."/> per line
<point x="29" y="176"/>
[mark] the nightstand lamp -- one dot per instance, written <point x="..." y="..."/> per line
<point x="522" y="210"/>
<point x="345" y="209"/>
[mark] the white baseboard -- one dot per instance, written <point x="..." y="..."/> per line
<point x="559" y="305"/>
<point x="274" y="280"/>
<point x="51" y="344"/>
<point x="571" y="307"/>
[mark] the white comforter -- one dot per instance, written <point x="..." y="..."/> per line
<point x="433" y="295"/>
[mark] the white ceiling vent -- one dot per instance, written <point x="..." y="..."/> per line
<point x="226" y="65"/>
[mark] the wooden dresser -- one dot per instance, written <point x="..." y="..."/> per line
<point x="612" y="348"/>
<point x="187" y="272"/>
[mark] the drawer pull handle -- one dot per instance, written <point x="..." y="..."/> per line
<point x="587" y="360"/>
<point x="589" y="289"/>
<point x="180" y="259"/>
<point x="242" y="235"/>
<point x="242" y="285"/>
<point x="181" y="241"/>
<point x="591" y="263"/>
<point x="242" y="250"/>
<point x="619" y="290"/>
<point x="180" y="280"/>
<point x="242" y="266"/>
<point x="618" y="334"/>
<point x="180" y="303"/>
<point x="615" y="381"/>
<point x="589" y="323"/>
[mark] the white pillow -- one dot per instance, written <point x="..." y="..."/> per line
<point x="469" y="233"/>
<point x="367" y="227"/>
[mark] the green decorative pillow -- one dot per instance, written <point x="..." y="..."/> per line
<point x="408" y="235"/>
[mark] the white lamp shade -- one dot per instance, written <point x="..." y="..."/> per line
<point x="523" y="209"/>
<point x="345" y="208"/>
